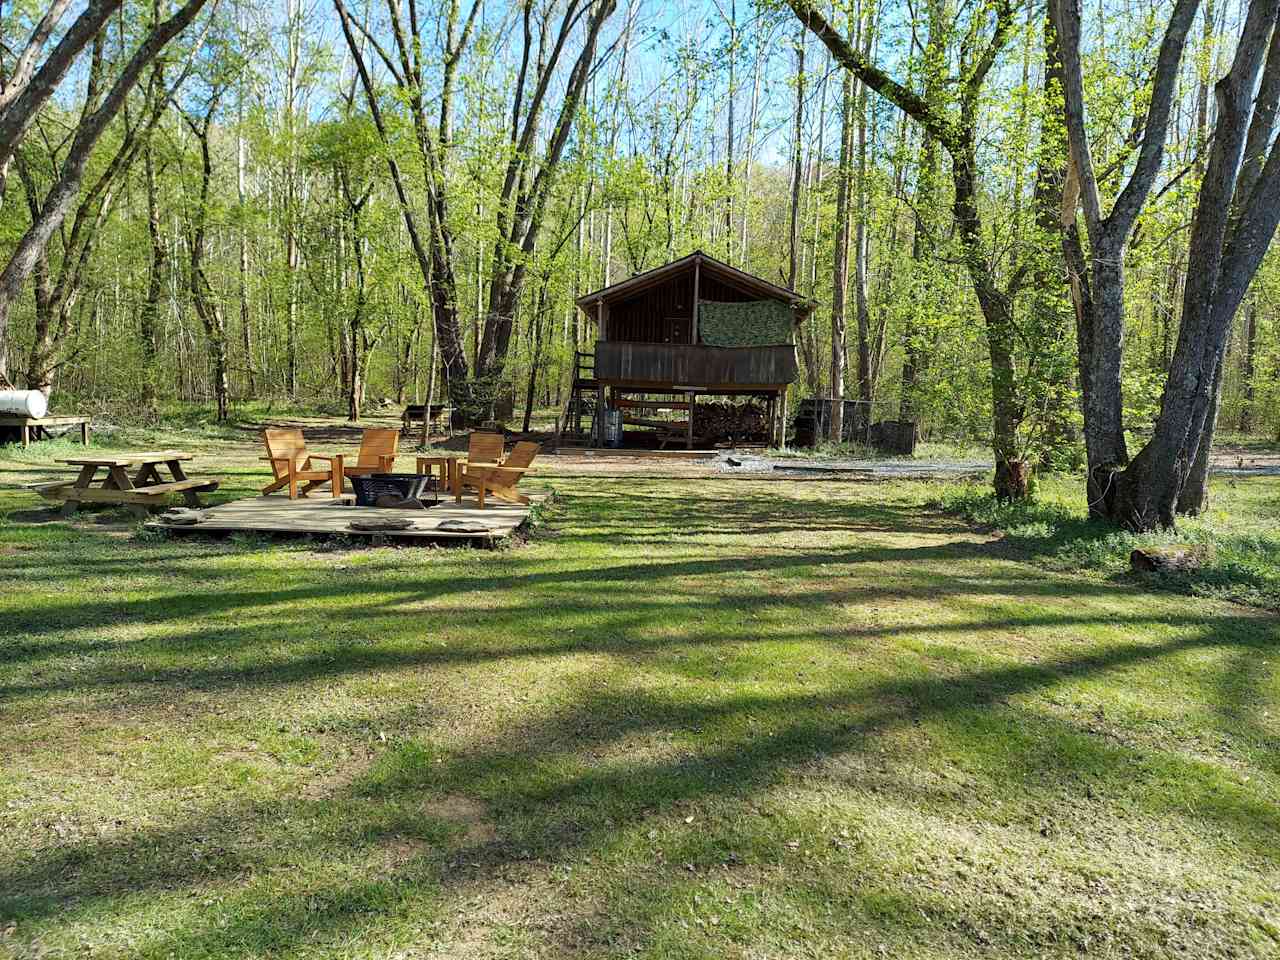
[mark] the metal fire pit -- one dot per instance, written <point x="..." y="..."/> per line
<point x="395" y="490"/>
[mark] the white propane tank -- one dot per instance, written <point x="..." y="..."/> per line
<point x="24" y="403"/>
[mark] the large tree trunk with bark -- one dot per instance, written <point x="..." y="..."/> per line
<point x="149" y="313"/>
<point x="206" y="304"/>
<point x="433" y="250"/>
<point x="1237" y="213"/>
<point x="525" y="193"/>
<point x="840" y="271"/>
<point x="63" y="195"/>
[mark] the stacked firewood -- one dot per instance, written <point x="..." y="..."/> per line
<point x="719" y="421"/>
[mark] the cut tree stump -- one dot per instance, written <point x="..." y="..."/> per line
<point x="1174" y="558"/>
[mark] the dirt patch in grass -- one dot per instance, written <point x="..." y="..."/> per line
<point x="466" y="813"/>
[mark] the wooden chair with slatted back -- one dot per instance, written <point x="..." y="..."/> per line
<point x="378" y="446"/>
<point x="291" y="463"/>
<point x="499" y="481"/>
<point x="485" y="449"/>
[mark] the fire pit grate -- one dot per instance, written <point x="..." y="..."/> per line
<point x="411" y="490"/>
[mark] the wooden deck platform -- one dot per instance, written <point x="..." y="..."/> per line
<point x="325" y="515"/>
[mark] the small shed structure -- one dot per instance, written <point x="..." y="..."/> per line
<point x="695" y="327"/>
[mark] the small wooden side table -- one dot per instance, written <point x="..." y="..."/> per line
<point x="448" y="469"/>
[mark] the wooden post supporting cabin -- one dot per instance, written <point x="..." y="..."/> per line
<point x="599" y="431"/>
<point x="691" y="399"/>
<point x="782" y="422"/>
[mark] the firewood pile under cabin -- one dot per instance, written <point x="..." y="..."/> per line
<point x="671" y="339"/>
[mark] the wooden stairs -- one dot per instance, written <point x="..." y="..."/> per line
<point x="582" y="406"/>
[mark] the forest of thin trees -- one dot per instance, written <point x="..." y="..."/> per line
<point x="1045" y="227"/>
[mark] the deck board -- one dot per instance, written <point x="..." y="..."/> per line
<point x="325" y="515"/>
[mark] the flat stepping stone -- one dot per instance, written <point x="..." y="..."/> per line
<point x="181" y="517"/>
<point x="376" y="524"/>
<point x="463" y="526"/>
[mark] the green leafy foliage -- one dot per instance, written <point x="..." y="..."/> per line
<point x="1239" y="534"/>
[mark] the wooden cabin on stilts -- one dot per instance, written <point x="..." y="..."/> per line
<point x="672" y="338"/>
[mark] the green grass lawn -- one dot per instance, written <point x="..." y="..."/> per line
<point x="716" y="718"/>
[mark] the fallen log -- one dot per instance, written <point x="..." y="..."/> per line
<point x="1173" y="558"/>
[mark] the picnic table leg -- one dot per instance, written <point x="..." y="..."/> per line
<point x="84" y="434"/>
<point x="147" y="474"/>
<point x="83" y="479"/>
<point x="117" y="479"/>
<point x="120" y="478"/>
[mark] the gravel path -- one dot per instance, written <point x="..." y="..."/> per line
<point x="731" y="462"/>
<point x="1227" y="463"/>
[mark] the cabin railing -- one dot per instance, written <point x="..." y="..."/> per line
<point x="695" y="365"/>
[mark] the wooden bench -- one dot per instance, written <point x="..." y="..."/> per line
<point x="38" y="427"/>
<point x="419" y="412"/>
<point x="150" y="494"/>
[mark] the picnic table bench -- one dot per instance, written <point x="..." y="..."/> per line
<point x="145" y="490"/>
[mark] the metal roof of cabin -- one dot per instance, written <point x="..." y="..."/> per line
<point x="731" y="275"/>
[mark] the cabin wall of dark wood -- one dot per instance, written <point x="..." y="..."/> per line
<point x="664" y="313"/>
<point x="717" y="291"/>
<point x="695" y="366"/>
<point x="661" y="314"/>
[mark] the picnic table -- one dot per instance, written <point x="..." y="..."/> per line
<point x="145" y="489"/>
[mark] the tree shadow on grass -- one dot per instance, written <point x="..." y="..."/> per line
<point x="553" y="800"/>
<point x="391" y="609"/>
<point x="308" y="871"/>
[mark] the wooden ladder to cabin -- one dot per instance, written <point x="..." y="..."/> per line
<point x="582" y="403"/>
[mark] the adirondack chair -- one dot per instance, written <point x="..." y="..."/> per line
<point x="499" y="481"/>
<point x="484" y="449"/>
<point x="378" y="447"/>
<point x="291" y="463"/>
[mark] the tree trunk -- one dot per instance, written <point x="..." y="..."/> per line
<point x="246" y="333"/>
<point x="434" y="252"/>
<point x="866" y="386"/>
<point x="1051" y="320"/>
<point x="527" y="186"/>
<point x="1249" y="367"/>
<point x="916" y="336"/>
<point x="797" y="164"/>
<point x="149" y="314"/>
<point x="67" y="188"/>
<point x="1237" y="213"/>
<point x="202" y="297"/>
<point x="840" y="272"/>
